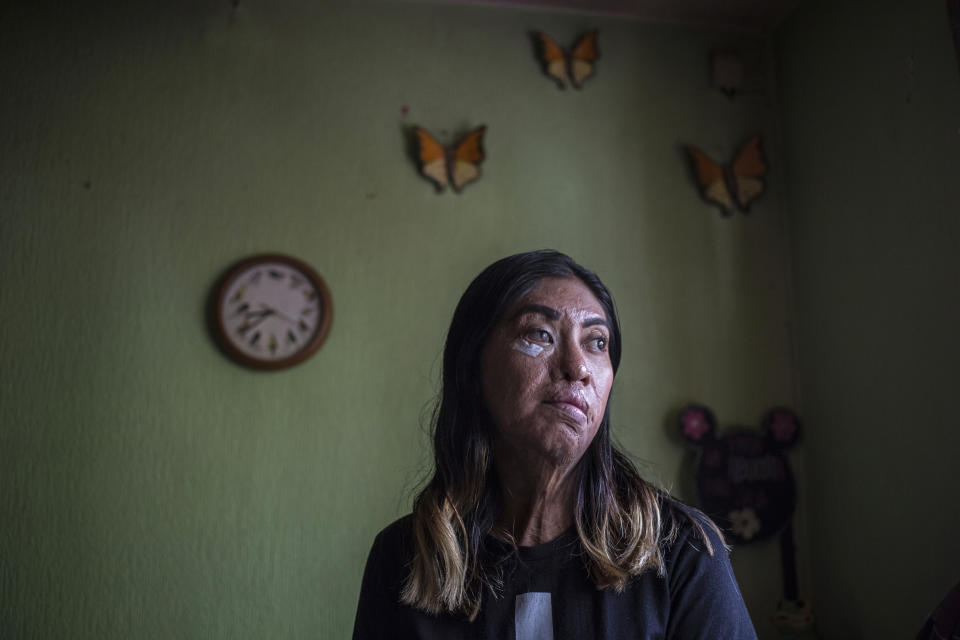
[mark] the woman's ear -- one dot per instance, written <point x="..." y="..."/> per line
<point x="696" y="424"/>
<point x="782" y="428"/>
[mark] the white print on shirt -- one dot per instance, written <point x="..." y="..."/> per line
<point x="533" y="619"/>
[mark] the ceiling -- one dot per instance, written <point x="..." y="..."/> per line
<point x="743" y="14"/>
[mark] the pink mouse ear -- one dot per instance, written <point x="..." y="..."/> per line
<point x="696" y="424"/>
<point x="782" y="427"/>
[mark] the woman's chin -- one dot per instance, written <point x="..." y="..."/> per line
<point x="565" y="445"/>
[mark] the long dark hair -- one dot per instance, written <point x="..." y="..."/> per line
<point x="617" y="513"/>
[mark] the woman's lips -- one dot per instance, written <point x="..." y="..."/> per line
<point x="573" y="406"/>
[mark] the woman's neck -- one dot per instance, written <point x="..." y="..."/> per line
<point x="537" y="499"/>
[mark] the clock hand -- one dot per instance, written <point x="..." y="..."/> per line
<point x="271" y="311"/>
<point x="250" y="315"/>
<point x="263" y="315"/>
<point x="286" y="318"/>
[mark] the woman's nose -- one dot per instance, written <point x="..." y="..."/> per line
<point x="572" y="365"/>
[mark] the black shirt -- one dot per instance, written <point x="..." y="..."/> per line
<point x="548" y="595"/>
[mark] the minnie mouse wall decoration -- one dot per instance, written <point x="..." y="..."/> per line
<point x="745" y="485"/>
<point x="743" y="478"/>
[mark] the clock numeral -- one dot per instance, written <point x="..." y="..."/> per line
<point x="273" y="344"/>
<point x="307" y="311"/>
<point x="295" y="281"/>
<point x="310" y="295"/>
<point x="255" y="278"/>
<point x="276" y="275"/>
<point x="242" y="308"/>
<point x="291" y="336"/>
<point x="303" y="326"/>
<point x="238" y="296"/>
<point x="255" y="339"/>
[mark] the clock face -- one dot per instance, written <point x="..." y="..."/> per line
<point x="272" y="311"/>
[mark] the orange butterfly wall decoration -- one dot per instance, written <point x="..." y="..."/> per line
<point x="457" y="166"/>
<point x="573" y="66"/>
<point x="736" y="185"/>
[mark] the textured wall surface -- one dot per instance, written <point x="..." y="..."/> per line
<point x="872" y="126"/>
<point x="149" y="488"/>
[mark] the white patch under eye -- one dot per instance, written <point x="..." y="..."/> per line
<point x="529" y="348"/>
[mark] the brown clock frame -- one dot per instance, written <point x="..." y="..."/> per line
<point x="317" y="339"/>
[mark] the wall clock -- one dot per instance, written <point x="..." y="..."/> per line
<point x="271" y="311"/>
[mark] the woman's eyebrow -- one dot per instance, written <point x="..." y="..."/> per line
<point x="552" y="314"/>
<point x="595" y="321"/>
<point x="540" y="309"/>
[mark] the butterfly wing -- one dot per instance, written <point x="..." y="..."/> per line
<point x="584" y="54"/>
<point x="552" y="58"/>
<point x="431" y="158"/>
<point x="749" y="168"/>
<point x="467" y="158"/>
<point x="710" y="180"/>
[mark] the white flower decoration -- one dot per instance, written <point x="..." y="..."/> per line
<point x="744" y="522"/>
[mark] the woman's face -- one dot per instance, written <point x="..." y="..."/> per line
<point x="546" y="371"/>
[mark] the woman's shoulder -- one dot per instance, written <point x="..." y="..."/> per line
<point x="389" y="558"/>
<point x="395" y="539"/>
<point x="686" y="530"/>
<point x="702" y="587"/>
<point x="399" y="528"/>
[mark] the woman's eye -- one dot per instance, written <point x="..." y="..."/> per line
<point x="539" y="335"/>
<point x="599" y="343"/>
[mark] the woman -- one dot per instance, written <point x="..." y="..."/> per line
<point x="534" y="526"/>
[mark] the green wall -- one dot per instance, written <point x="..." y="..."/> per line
<point x="149" y="488"/>
<point x="871" y="101"/>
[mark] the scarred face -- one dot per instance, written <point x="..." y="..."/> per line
<point x="546" y="372"/>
